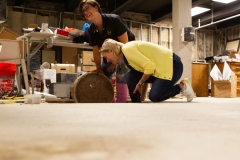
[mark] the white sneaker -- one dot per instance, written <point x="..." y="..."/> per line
<point x="187" y="91"/>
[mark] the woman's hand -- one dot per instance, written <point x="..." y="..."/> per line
<point x="111" y="68"/>
<point x="98" y="71"/>
<point x="138" y="88"/>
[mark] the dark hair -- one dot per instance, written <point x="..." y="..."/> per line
<point x="93" y="3"/>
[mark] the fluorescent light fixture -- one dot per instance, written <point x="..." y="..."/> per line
<point x="224" y="1"/>
<point x="198" y="10"/>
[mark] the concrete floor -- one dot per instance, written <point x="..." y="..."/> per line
<point x="206" y="129"/>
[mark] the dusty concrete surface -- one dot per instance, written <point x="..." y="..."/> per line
<point x="206" y="129"/>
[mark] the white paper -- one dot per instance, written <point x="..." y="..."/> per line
<point x="227" y="72"/>
<point x="215" y="73"/>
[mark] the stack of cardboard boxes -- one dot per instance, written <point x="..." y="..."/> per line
<point x="88" y="63"/>
<point x="70" y="56"/>
<point x="83" y="60"/>
<point x="65" y="77"/>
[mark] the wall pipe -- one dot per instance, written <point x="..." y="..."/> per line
<point x="218" y="21"/>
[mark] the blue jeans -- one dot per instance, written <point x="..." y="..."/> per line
<point x="161" y="89"/>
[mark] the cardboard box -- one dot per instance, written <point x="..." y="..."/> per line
<point x="48" y="56"/>
<point x="88" y="68"/>
<point x="87" y="58"/>
<point x="64" y="68"/>
<point x="6" y="33"/>
<point x="226" y="88"/>
<point x="32" y="26"/>
<point x="70" y="56"/>
<point x="233" y="54"/>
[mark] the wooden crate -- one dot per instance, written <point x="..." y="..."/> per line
<point x="235" y="67"/>
<point x="226" y="88"/>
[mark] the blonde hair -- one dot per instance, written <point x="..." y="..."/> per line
<point x="112" y="44"/>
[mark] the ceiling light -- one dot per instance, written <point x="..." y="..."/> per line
<point x="198" y="10"/>
<point x="224" y="1"/>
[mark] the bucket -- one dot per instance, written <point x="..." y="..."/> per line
<point x="122" y="92"/>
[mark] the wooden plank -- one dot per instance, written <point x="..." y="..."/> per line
<point x="200" y="79"/>
<point x="59" y="100"/>
<point x="25" y="76"/>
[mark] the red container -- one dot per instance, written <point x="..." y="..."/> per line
<point x="7" y="69"/>
<point x="7" y="75"/>
<point x="113" y="81"/>
<point x="62" y="33"/>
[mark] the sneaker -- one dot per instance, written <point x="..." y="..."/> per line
<point x="187" y="91"/>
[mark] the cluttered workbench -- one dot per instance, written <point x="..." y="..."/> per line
<point x="46" y="38"/>
<point x="50" y="39"/>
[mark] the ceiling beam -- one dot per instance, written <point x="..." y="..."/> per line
<point x="162" y="13"/>
<point x="72" y="5"/>
<point x="229" y="23"/>
<point x="199" y="2"/>
<point x="18" y="3"/>
<point x="126" y="6"/>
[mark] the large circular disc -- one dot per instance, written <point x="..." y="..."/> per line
<point x="92" y="88"/>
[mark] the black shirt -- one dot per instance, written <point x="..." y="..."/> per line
<point x="113" y="27"/>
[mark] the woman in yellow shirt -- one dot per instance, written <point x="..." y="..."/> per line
<point x="149" y="63"/>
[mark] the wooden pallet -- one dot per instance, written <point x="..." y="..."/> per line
<point x="59" y="100"/>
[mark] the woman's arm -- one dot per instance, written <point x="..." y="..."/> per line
<point x="123" y="38"/>
<point x="97" y="59"/>
<point x="140" y="83"/>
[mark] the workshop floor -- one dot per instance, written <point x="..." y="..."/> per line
<point x="205" y="129"/>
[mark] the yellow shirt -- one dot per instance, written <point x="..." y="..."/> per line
<point x="149" y="58"/>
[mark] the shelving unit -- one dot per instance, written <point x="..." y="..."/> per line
<point x="41" y="39"/>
